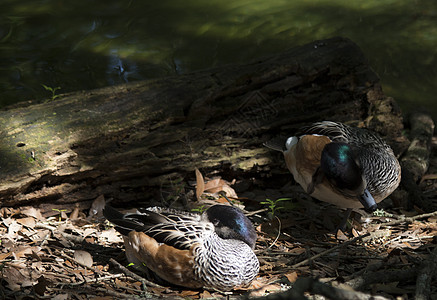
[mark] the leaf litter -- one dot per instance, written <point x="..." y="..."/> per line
<point x="68" y="254"/>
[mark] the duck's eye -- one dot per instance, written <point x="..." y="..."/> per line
<point x="215" y="222"/>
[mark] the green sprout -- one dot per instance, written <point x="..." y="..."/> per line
<point x="60" y="212"/>
<point x="273" y="205"/>
<point x="199" y="209"/>
<point x="382" y="213"/>
<point x="52" y="90"/>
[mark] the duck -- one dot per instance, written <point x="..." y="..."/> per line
<point x="213" y="250"/>
<point x="346" y="166"/>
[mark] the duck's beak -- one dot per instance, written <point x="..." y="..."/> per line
<point x="368" y="202"/>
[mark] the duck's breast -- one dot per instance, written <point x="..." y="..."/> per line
<point x="303" y="158"/>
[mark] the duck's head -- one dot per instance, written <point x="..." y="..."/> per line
<point x="231" y="223"/>
<point x="343" y="170"/>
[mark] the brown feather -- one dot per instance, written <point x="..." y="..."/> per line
<point x="174" y="265"/>
<point x="308" y="153"/>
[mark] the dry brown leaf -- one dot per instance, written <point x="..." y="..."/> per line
<point x="75" y="213"/>
<point x="13" y="277"/>
<point x="33" y="212"/>
<point x="214" y="185"/>
<point x="230" y="192"/>
<point x="188" y="293"/>
<point x="265" y="289"/>
<point x="3" y="256"/>
<point x="83" y="258"/>
<point x="222" y="200"/>
<point x="354" y="232"/>
<point x="28" y="222"/>
<point x="291" y="276"/>
<point x="111" y="235"/>
<point x="22" y="251"/>
<point x="157" y="290"/>
<point x="200" y="184"/>
<point x="205" y="295"/>
<point x="88" y="231"/>
<point x="341" y="236"/>
<point x="13" y="227"/>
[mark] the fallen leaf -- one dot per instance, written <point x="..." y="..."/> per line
<point x="33" y="212"/>
<point x="13" y="228"/>
<point x="205" y="295"/>
<point x="266" y="289"/>
<point x="28" y="222"/>
<point x="22" y="251"/>
<point x="83" y="258"/>
<point x="200" y="184"/>
<point x="354" y="232"/>
<point x="341" y="236"/>
<point x="88" y="231"/>
<point x="187" y="293"/>
<point x="13" y="277"/>
<point x="291" y="276"/>
<point x="111" y="235"/>
<point x="3" y="256"/>
<point x="75" y="213"/>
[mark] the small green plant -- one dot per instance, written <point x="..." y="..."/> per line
<point x="273" y="205"/>
<point x="60" y="212"/>
<point x="52" y="90"/>
<point x="381" y="213"/>
<point x="199" y="209"/>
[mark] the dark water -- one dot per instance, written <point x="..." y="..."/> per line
<point x="78" y="45"/>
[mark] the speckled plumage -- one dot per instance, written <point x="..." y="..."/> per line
<point x="213" y="250"/>
<point x="359" y="157"/>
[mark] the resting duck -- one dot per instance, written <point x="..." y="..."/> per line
<point x="213" y="250"/>
<point x="346" y="166"/>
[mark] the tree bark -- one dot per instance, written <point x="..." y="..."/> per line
<point x="126" y="141"/>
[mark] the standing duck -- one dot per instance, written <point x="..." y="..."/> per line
<point x="213" y="250"/>
<point x="346" y="166"/>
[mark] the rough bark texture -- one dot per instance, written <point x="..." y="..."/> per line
<point x="125" y="141"/>
<point x="415" y="161"/>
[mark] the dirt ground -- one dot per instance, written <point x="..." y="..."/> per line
<point x="73" y="253"/>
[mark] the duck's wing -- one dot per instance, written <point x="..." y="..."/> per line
<point x="277" y="144"/>
<point x="165" y="226"/>
<point x="337" y="132"/>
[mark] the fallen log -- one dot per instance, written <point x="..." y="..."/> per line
<point x="127" y="141"/>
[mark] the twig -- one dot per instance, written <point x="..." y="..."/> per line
<point x="133" y="275"/>
<point x="95" y="270"/>
<point x="409" y="219"/>
<point x="329" y="250"/>
<point x="276" y="239"/>
<point x="249" y="214"/>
